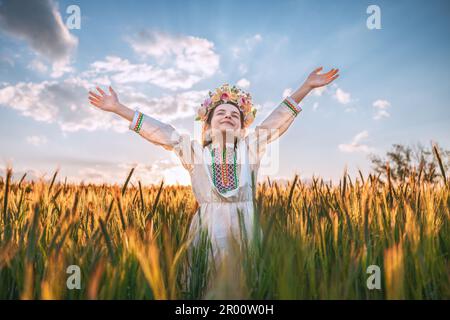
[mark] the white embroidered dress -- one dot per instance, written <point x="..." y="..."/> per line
<point x="218" y="211"/>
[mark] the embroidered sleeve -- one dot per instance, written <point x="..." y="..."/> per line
<point x="164" y="135"/>
<point x="273" y="126"/>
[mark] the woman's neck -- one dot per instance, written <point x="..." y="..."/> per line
<point x="222" y="140"/>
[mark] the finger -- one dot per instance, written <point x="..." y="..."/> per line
<point x="101" y="91"/>
<point x="94" y="95"/>
<point x="333" y="74"/>
<point x="328" y="76"/>
<point x="94" y="99"/>
<point x="317" y="69"/>
<point x="94" y="103"/>
<point x="332" y="79"/>
<point x="330" y="73"/>
<point x="112" y="91"/>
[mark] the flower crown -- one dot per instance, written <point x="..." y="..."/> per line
<point x="227" y="94"/>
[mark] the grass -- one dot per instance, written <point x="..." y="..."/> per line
<point x="131" y="242"/>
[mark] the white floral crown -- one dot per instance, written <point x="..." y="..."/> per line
<point x="227" y="94"/>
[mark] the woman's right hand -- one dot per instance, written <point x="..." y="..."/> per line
<point x="103" y="101"/>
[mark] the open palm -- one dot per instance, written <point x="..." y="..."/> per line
<point x="316" y="80"/>
<point x="104" y="101"/>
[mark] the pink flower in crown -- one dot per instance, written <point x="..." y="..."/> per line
<point x="207" y="102"/>
<point x="225" y="97"/>
<point x="242" y="101"/>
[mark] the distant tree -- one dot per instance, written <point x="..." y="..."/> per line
<point x="404" y="160"/>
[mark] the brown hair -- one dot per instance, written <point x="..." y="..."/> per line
<point x="208" y="123"/>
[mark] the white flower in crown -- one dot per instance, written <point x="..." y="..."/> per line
<point x="227" y="94"/>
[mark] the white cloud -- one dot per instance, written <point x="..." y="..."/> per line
<point x="94" y="175"/>
<point x="40" y="25"/>
<point x="355" y="145"/>
<point x="342" y="97"/>
<point x="245" y="45"/>
<point x="339" y="94"/>
<point x="243" y="83"/>
<point x="123" y="71"/>
<point x="167" y="107"/>
<point x="236" y="51"/>
<point x="19" y="171"/>
<point x="66" y="103"/>
<point x="59" y="68"/>
<point x="381" y="114"/>
<point x="381" y="107"/>
<point x="263" y="111"/>
<point x="101" y="81"/>
<point x="252" y="41"/>
<point x="180" y="59"/>
<point x="382" y="104"/>
<point x="36" y="140"/>
<point x="319" y="91"/>
<point x="180" y="62"/>
<point x="37" y="65"/>
<point x="171" y="172"/>
<point x="28" y="99"/>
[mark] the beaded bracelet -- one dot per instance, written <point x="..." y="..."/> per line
<point x="138" y="125"/>
<point x="295" y="110"/>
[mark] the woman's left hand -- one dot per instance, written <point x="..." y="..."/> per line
<point x="316" y="80"/>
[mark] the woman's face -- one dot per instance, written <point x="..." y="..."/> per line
<point x="226" y="117"/>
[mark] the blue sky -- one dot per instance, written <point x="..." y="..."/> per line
<point x="393" y="84"/>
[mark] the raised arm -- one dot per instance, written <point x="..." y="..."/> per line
<point x="281" y="118"/>
<point x="153" y="130"/>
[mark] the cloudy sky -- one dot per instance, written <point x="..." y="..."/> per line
<point x="164" y="56"/>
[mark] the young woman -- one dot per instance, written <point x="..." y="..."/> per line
<point x="222" y="165"/>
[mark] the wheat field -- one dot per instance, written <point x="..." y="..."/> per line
<point x="130" y="241"/>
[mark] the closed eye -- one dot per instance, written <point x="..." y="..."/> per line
<point x="235" y="114"/>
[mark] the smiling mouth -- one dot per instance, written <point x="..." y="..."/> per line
<point x="228" y="122"/>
